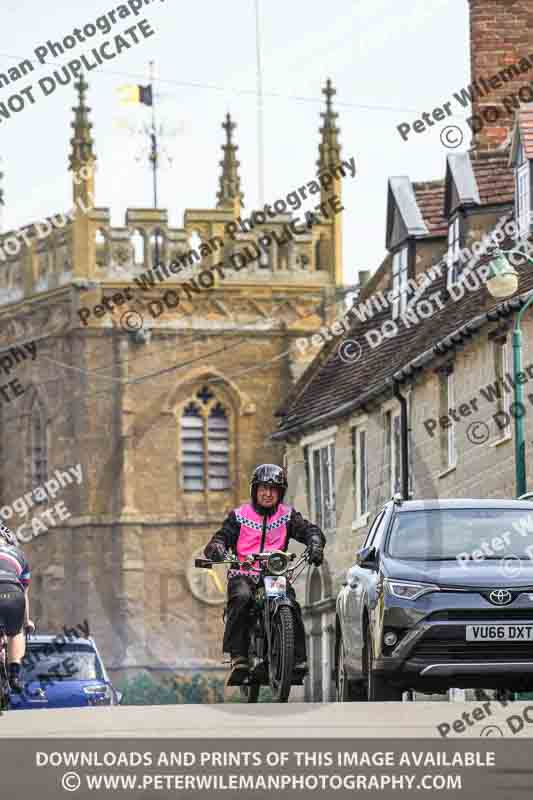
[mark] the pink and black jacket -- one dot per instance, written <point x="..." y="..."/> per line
<point x="246" y="531"/>
<point x="13" y="565"/>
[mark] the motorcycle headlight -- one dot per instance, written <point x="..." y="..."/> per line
<point x="406" y="590"/>
<point x="277" y="564"/>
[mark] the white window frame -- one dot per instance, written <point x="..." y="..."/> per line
<point x="454" y="250"/>
<point x="361" y="499"/>
<point x="317" y="446"/>
<point x="501" y="355"/>
<point x="448" y="433"/>
<point x="395" y="455"/>
<point x="452" y="451"/>
<point x="410" y="442"/>
<point x="523" y="198"/>
<point x="400" y="276"/>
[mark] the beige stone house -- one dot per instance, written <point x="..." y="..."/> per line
<point x="168" y="421"/>
<point x="446" y="348"/>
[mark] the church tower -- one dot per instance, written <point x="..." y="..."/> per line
<point x="167" y="406"/>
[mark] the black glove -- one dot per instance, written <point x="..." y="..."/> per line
<point x="215" y="551"/>
<point x="316" y="553"/>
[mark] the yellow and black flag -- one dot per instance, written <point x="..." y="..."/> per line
<point x="137" y="94"/>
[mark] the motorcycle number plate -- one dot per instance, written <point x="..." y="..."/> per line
<point x="274" y="587"/>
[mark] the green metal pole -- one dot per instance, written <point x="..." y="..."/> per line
<point x="519" y="411"/>
<point x="519" y="408"/>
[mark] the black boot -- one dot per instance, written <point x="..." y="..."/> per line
<point x="15" y="681"/>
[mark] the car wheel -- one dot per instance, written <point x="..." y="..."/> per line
<point x="346" y="691"/>
<point x="378" y="688"/>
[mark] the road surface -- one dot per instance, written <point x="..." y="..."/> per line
<point x="292" y="720"/>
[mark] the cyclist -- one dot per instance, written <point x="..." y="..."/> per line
<point x="264" y="524"/>
<point x="14" y="605"/>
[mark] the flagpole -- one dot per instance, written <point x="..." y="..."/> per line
<point x="259" y="108"/>
<point x="154" y="155"/>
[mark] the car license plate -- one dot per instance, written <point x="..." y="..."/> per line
<point x="499" y="633"/>
<point x="275" y="587"/>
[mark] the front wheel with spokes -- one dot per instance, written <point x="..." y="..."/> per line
<point x="281" y="660"/>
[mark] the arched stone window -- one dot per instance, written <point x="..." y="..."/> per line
<point x="138" y="243"/>
<point x="157" y="247"/>
<point x="37" y="446"/>
<point x="319" y="261"/>
<point x="205" y="432"/>
<point x="43" y="258"/>
<point x="101" y="248"/>
<point x="195" y="240"/>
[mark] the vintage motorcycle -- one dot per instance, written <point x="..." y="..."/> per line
<point x="272" y="623"/>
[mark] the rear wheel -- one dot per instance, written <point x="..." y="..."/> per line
<point x="345" y="689"/>
<point x="281" y="657"/>
<point x="378" y="688"/>
<point x="4" y="689"/>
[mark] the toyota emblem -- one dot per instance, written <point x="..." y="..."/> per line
<point x="500" y="597"/>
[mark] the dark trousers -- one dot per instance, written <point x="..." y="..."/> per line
<point x="236" y="633"/>
<point x="12" y="608"/>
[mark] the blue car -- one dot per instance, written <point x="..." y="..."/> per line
<point x="63" y="674"/>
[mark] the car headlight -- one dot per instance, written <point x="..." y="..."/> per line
<point x="406" y="590"/>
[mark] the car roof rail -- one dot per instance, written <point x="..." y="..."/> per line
<point x="526" y="496"/>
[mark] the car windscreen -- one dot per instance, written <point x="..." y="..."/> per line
<point x="61" y="663"/>
<point x="461" y="534"/>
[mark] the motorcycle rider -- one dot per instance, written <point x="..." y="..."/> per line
<point x="15" y="579"/>
<point x="264" y="524"/>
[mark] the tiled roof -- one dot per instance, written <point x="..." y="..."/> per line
<point x="495" y="179"/>
<point x="430" y="199"/>
<point x="337" y="387"/>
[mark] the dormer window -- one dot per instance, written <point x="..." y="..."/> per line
<point x="400" y="266"/>
<point x="454" y="249"/>
<point x="523" y="193"/>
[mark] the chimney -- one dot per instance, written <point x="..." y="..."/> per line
<point x="501" y="61"/>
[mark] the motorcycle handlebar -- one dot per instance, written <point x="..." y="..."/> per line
<point x="206" y="563"/>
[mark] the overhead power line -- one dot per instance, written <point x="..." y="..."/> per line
<point x="235" y="91"/>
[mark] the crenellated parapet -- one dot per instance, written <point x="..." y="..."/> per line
<point x="294" y="241"/>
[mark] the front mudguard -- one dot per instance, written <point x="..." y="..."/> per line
<point x="277" y="602"/>
<point x="272" y="607"/>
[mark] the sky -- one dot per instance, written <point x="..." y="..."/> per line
<point x="389" y="62"/>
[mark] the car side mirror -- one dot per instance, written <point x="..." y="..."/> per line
<point x="119" y="697"/>
<point x="367" y="558"/>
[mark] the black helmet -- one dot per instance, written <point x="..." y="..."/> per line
<point x="270" y="474"/>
